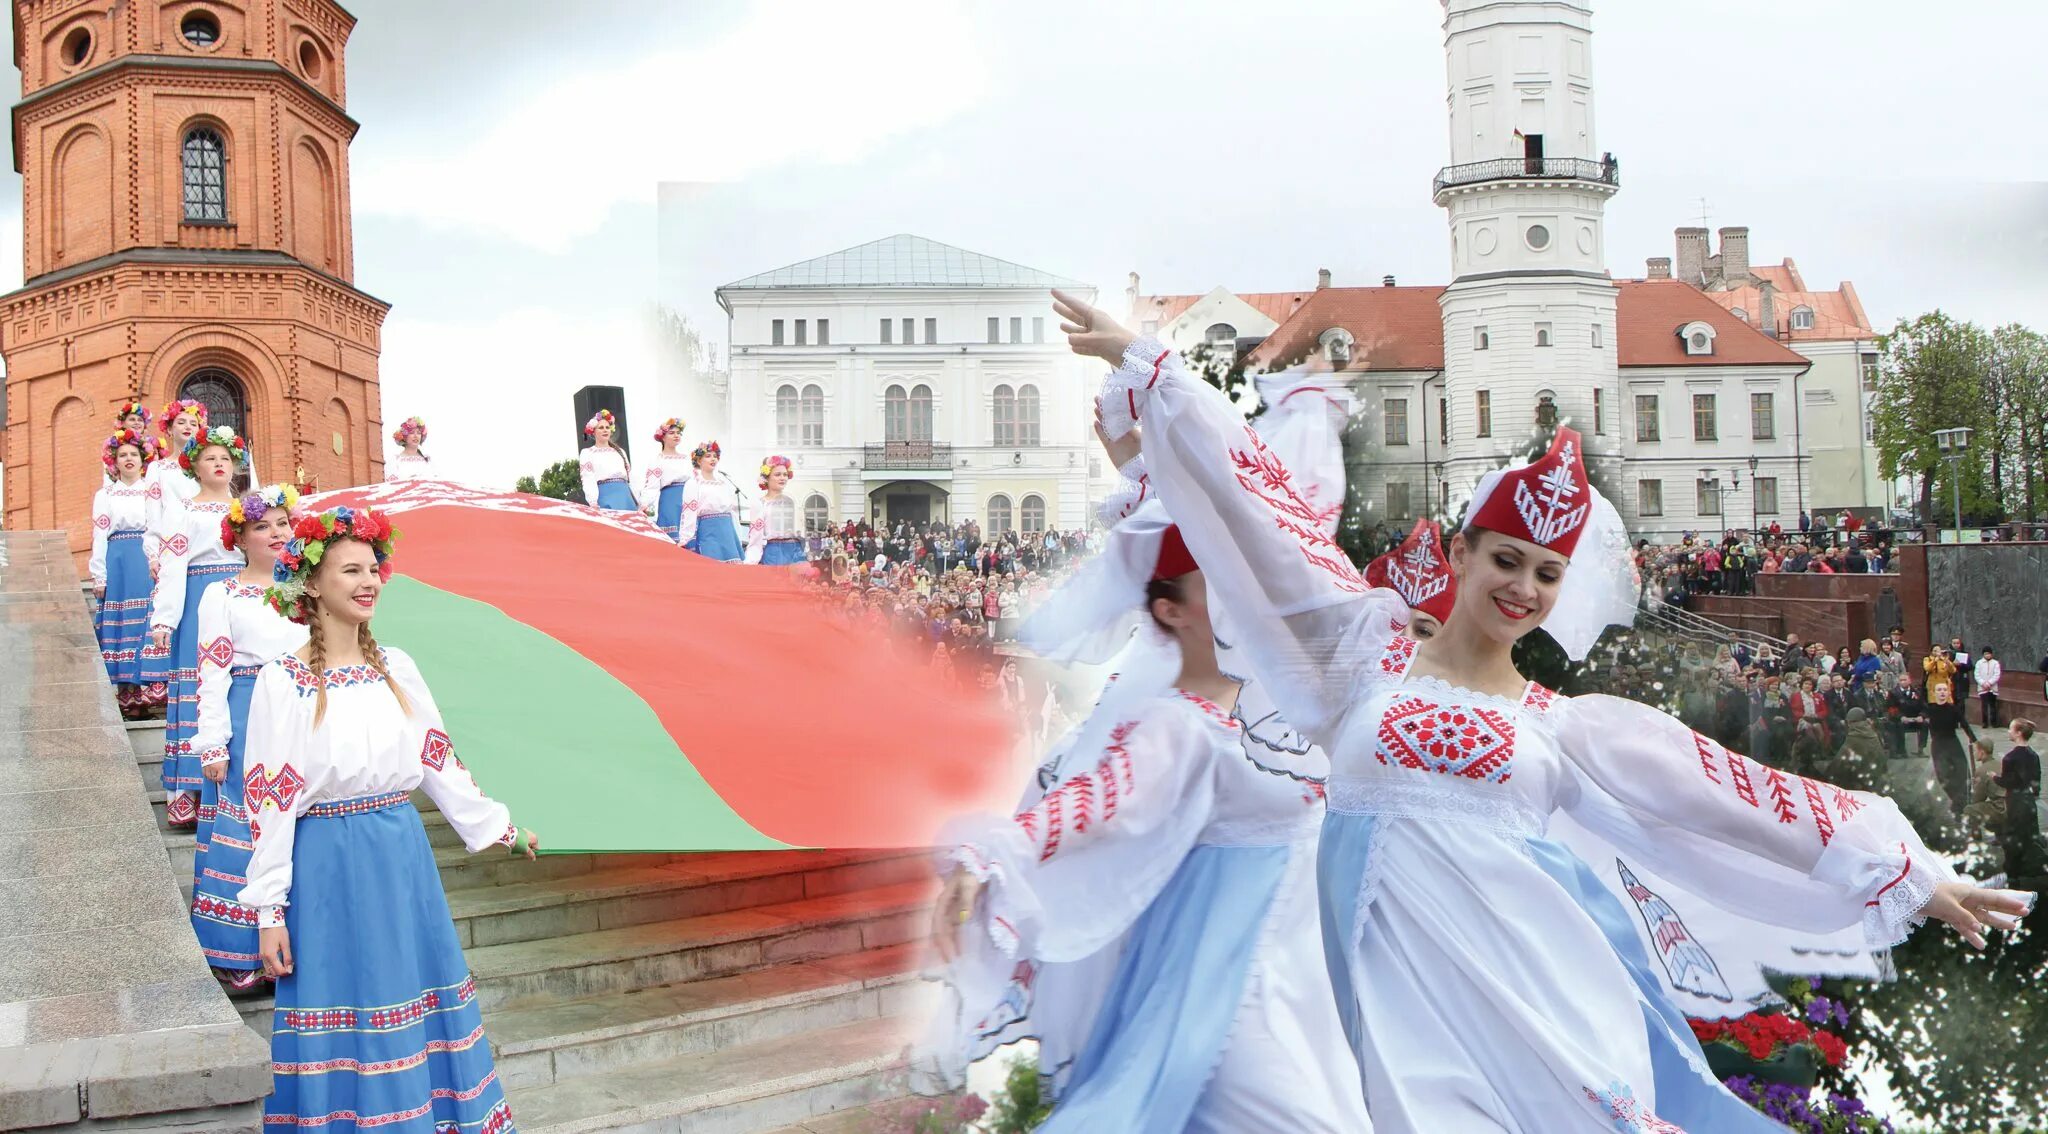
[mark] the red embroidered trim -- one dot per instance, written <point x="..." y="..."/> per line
<point x="220" y="652"/>
<point x="1395" y="659"/>
<point x="1465" y="741"/>
<point x="1263" y="475"/>
<point x="1156" y="364"/>
<point x="1111" y="779"/>
<point x="281" y="790"/>
<point x="1903" y="871"/>
<point x="1822" y="821"/>
<point x="1209" y="707"/>
<point x="435" y="752"/>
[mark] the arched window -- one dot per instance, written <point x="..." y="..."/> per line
<point x="1027" y="415"/>
<point x="998" y="514"/>
<point x="895" y="415"/>
<point x="1337" y="347"/>
<point x="1739" y="313"/>
<point x="816" y="517"/>
<point x="206" y="185"/>
<point x="223" y="395"/>
<point x="1033" y="514"/>
<point x="920" y="413"/>
<point x="1802" y="318"/>
<point x="812" y="406"/>
<point x="1005" y="417"/>
<point x="1220" y="334"/>
<point x="787" y="417"/>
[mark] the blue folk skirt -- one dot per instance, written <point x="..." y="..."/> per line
<point x="181" y="710"/>
<point x="616" y="496"/>
<point x="668" y="511"/>
<point x="377" y="1025"/>
<point x="226" y="928"/>
<point x="782" y="552"/>
<point x="122" y="621"/>
<point x="717" y="538"/>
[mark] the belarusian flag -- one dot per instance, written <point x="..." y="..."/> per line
<point x="622" y="694"/>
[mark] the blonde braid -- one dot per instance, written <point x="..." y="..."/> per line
<point x="319" y="649"/>
<point x="368" y="643"/>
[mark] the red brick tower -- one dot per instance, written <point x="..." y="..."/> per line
<point x="186" y="233"/>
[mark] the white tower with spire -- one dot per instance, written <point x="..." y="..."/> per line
<point x="1530" y="312"/>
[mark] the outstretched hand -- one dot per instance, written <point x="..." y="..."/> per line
<point x="955" y="905"/>
<point x="1090" y="331"/>
<point x="1120" y="449"/>
<point x="1969" y="910"/>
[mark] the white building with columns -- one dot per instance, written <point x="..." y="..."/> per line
<point x="911" y="380"/>
<point x="1691" y="415"/>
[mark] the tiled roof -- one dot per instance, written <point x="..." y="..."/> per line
<point x="904" y="261"/>
<point x="1401" y="328"/>
<point x="1836" y="314"/>
<point x="1392" y="328"/>
<point x="1274" y="305"/>
<point x="1648" y="314"/>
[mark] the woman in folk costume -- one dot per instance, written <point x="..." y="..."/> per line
<point x="179" y="425"/>
<point x="193" y="558"/>
<point x="411" y="463"/>
<point x="120" y="568"/>
<point x="776" y="538"/>
<point x="709" y="502"/>
<point x="607" y="473"/>
<point x="1152" y="919"/>
<point x="132" y="416"/>
<point x="661" y="484"/>
<point x="1478" y="994"/>
<point x="376" y="1023"/>
<point x="238" y="633"/>
<point x="1417" y="571"/>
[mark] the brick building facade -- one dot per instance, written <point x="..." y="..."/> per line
<point x="186" y="233"/>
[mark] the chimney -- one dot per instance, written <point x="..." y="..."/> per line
<point x="1767" y="309"/>
<point x="1387" y="281"/>
<point x="1692" y="256"/>
<point x="1131" y="292"/>
<point x="1660" y="267"/>
<point x="1322" y="278"/>
<point x="1735" y="254"/>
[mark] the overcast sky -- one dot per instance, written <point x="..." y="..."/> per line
<point x="506" y="177"/>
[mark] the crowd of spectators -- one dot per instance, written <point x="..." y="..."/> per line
<point x="1698" y="565"/>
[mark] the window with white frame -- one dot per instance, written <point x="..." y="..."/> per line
<point x="1395" y="411"/>
<point x="812" y="409"/>
<point x="1706" y="420"/>
<point x="1766" y="495"/>
<point x="1648" y="427"/>
<point x="1480" y="339"/>
<point x="1542" y="334"/>
<point x="1031" y="516"/>
<point x="1483" y="410"/>
<point x="1027" y="415"/>
<point x="1802" y="318"/>
<point x="788" y="416"/>
<point x="774" y="332"/>
<point x="1709" y="497"/>
<point x="817" y="516"/>
<point x="998" y="514"/>
<point x="1763" y="416"/>
<point x="1649" y="497"/>
<point x="1397" y="500"/>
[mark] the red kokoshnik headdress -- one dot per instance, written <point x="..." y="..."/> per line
<point x="1418" y="572"/>
<point x="1546" y="503"/>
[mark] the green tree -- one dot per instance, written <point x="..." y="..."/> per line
<point x="562" y="480"/>
<point x="1020" y="1106"/>
<point x="2019" y="395"/>
<point x="1933" y="374"/>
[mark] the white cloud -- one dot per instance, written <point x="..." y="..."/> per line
<point x="820" y="82"/>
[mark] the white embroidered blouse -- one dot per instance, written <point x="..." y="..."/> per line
<point x="191" y="540"/>
<point x="167" y="488"/>
<point x="116" y="507"/>
<point x="237" y="630"/>
<point x="409" y="466"/>
<point x="600" y="465"/>
<point x="365" y="746"/>
<point x="701" y="498"/>
<point x="776" y="518"/>
<point x="665" y="469"/>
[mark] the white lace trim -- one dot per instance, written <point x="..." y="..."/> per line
<point x="1895" y="913"/>
<point x="1415" y="798"/>
<point x="1275" y="831"/>
<point x="1368" y="885"/>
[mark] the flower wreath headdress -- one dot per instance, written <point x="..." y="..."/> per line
<point x="411" y="427"/>
<point x="171" y="412"/>
<point x="255" y="505"/>
<point x="601" y="417"/>
<point x="122" y="437"/>
<point x="707" y="449"/>
<point x="132" y="407"/>
<point x="311" y="537"/>
<point x="207" y="438"/>
<point x="661" y="431"/>
<point x="771" y="464"/>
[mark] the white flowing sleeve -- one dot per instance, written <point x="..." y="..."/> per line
<point x="102" y="524"/>
<point x="1076" y="870"/>
<point x="479" y="819"/>
<point x="273" y="788"/>
<point x="1307" y="619"/>
<point x="757" y="536"/>
<point x="587" y="465"/>
<point x="216" y="673"/>
<point x="167" y="604"/>
<point x="650" y="486"/>
<point x="1134" y="487"/>
<point x="691" y="502"/>
<point x="1772" y="846"/>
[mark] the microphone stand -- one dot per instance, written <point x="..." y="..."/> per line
<point x="739" y="502"/>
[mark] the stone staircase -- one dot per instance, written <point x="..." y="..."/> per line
<point x="721" y="993"/>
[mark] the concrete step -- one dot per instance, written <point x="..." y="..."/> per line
<point x="738" y="1090"/>
<point x="580" y="965"/>
<point x="551" y="1043"/>
<point x="461" y="870"/>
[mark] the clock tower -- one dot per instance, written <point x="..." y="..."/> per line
<point x="1529" y="316"/>
<point x="186" y="234"/>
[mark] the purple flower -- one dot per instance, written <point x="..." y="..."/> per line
<point x="1819" y="1011"/>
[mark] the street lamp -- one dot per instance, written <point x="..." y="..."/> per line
<point x="1724" y="491"/>
<point x="1752" y="498"/>
<point x="1954" y="443"/>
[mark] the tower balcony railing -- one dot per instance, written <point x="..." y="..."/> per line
<point x="907" y="455"/>
<point x="1606" y="171"/>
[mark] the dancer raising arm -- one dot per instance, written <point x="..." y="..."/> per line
<point x="238" y="632"/>
<point x="661" y="485"/>
<point x="1476" y="993"/>
<point x="376" y="1022"/>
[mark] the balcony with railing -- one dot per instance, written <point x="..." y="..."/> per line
<point x="907" y="455"/>
<point x="1606" y="171"/>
